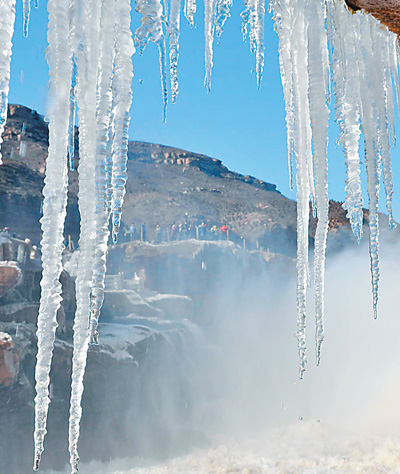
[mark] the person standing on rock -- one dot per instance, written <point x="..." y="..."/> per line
<point x="132" y="231"/>
<point x="158" y="234"/>
<point x="143" y="232"/>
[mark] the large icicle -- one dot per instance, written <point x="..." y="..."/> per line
<point x="253" y="24"/>
<point x="88" y="24"/>
<point x="152" y="29"/>
<point x="103" y="158"/>
<point x="283" y="17"/>
<point x="122" y="82"/>
<point x="347" y="79"/>
<point x="319" y="80"/>
<point x="54" y="209"/>
<point x="370" y="130"/>
<point x="210" y="10"/>
<point x="7" y="20"/>
<point x="384" y="107"/>
<point x="174" y="29"/>
<point x="303" y="157"/>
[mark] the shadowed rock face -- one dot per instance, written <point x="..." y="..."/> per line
<point x="386" y="11"/>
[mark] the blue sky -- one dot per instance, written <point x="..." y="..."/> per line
<point x="242" y="126"/>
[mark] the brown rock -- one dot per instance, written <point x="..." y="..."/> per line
<point x="10" y="276"/>
<point x="386" y="11"/>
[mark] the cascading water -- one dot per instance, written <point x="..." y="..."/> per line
<point x="89" y="55"/>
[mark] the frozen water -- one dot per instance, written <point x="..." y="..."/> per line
<point x="89" y="54"/>
<point x="54" y="210"/>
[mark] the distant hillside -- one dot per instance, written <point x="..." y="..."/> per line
<point x="166" y="186"/>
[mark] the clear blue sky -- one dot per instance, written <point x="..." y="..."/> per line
<point x="242" y="126"/>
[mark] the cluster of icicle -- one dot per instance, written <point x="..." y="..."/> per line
<point x="90" y="60"/>
<point x="317" y="40"/>
<point x="322" y="46"/>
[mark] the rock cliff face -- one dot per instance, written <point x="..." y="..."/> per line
<point x="166" y="186"/>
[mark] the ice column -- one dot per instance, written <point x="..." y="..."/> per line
<point x="174" y="29"/>
<point x="122" y="82"/>
<point x="346" y="76"/>
<point x="103" y="157"/>
<point x="7" y="19"/>
<point x="283" y="13"/>
<point x="318" y="91"/>
<point x="54" y="209"/>
<point x="303" y="158"/>
<point x="210" y="7"/>
<point x="88" y="28"/>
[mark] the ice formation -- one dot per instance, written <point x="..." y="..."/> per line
<point x="7" y="19"/>
<point x="323" y="47"/>
<point x="364" y="64"/>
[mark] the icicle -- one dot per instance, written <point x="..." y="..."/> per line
<point x="174" y="29"/>
<point x="394" y="62"/>
<point x="303" y="156"/>
<point x="209" y="29"/>
<point x="123" y="98"/>
<point x="253" y="25"/>
<point x="72" y="112"/>
<point x="318" y="91"/>
<point x="347" y="78"/>
<point x="26" y="14"/>
<point x="152" y="29"/>
<point x="283" y="19"/>
<point x="54" y="210"/>
<point x="7" y="19"/>
<point x="190" y="10"/>
<point x="103" y="158"/>
<point x="369" y="124"/>
<point x="223" y="13"/>
<point x="36" y="4"/>
<point x="87" y="29"/>
<point x="385" y="113"/>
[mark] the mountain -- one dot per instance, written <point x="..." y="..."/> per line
<point x="166" y="186"/>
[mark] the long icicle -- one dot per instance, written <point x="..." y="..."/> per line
<point x="283" y="21"/>
<point x="303" y="151"/>
<point x="54" y="210"/>
<point x="369" y="126"/>
<point x="347" y="79"/>
<point x="318" y="88"/>
<point x="174" y="30"/>
<point x="122" y="82"/>
<point x="7" y="20"/>
<point x="210" y="7"/>
<point x="104" y="105"/>
<point x="87" y="67"/>
<point x="385" y="114"/>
